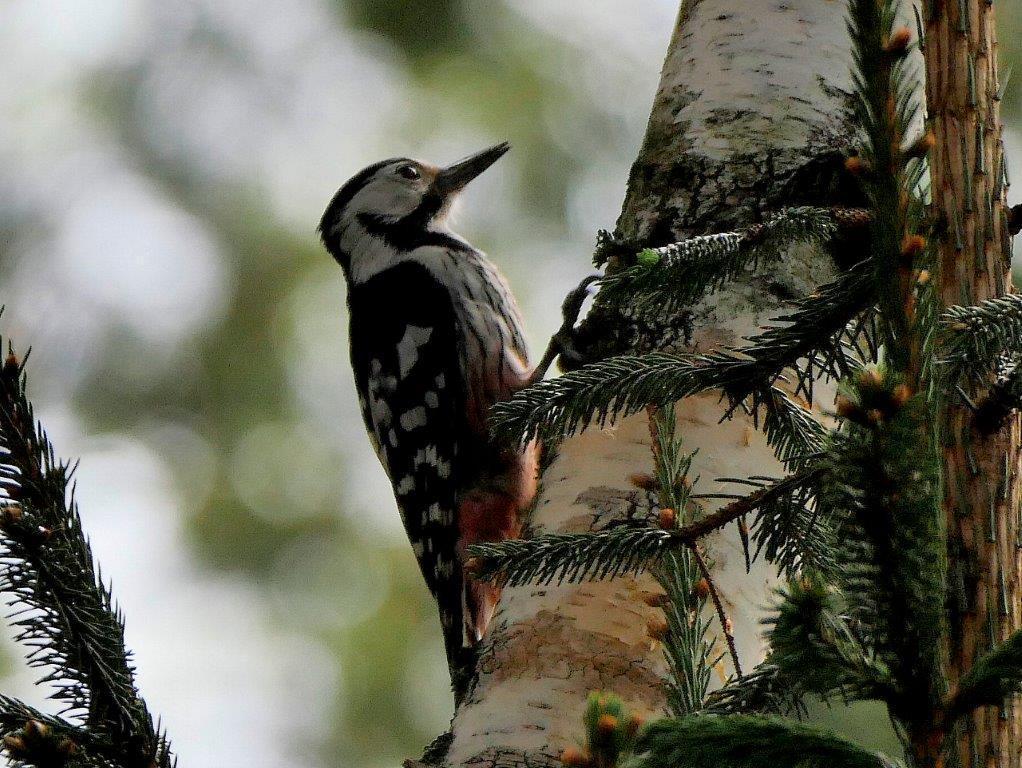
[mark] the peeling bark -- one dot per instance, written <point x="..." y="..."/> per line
<point x="750" y="116"/>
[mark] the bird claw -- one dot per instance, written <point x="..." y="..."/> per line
<point x="569" y="357"/>
<point x="562" y="343"/>
<point x="571" y="307"/>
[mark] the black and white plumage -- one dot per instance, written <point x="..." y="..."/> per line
<point x="436" y="338"/>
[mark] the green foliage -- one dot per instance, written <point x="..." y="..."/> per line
<point x="34" y="739"/>
<point x="791" y="530"/>
<point x="667" y="279"/>
<point x="764" y="690"/>
<point x="64" y="612"/>
<point x="793" y="432"/>
<point x="885" y="107"/>
<point x="747" y="741"/>
<point x="624" y="385"/>
<point x="973" y="338"/>
<point x="647" y="257"/>
<point x="425" y="29"/>
<point x="787" y="529"/>
<point x="570" y="557"/>
<point x="688" y="645"/>
<point x="610" y="729"/>
<point x="885" y="478"/>
<point x="868" y="627"/>
<point x="813" y="643"/>
<point x="993" y="678"/>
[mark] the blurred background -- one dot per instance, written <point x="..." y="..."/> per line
<point x="162" y="170"/>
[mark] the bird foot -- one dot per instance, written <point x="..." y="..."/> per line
<point x="562" y="343"/>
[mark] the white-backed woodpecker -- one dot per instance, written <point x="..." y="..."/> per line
<point x="436" y="339"/>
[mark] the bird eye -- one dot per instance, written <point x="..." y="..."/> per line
<point x="409" y="172"/>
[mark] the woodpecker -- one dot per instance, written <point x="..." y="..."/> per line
<point x="435" y="339"/>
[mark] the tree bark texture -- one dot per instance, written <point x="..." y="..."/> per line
<point x="982" y="489"/>
<point x="751" y="115"/>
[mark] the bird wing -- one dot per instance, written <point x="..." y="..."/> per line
<point x="404" y="350"/>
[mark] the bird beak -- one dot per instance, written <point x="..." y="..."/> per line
<point x="453" y="178"/>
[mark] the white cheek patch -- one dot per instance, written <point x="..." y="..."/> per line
<point x="387" y="194"/>
<point x="408" y="348"/>
<point x="369" y="255"/>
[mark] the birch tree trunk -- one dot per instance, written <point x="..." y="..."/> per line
<point x="983" y="491"/>
<point x="751" y="115"/>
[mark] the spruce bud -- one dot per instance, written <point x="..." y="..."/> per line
<point x="897" y="44"/>
<point x="668" y="518"/>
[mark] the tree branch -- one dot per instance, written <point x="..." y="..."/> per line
<point x="65" y="615"/>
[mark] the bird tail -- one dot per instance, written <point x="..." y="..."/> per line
<point x="479" y="604"/>
<point x="482" y="516"/>
<point x="462" y="639"/>
<point x="461" y="655"/>
<point x="491" y="512"/>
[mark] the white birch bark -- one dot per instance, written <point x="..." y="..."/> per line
<point x="750" y="116"/>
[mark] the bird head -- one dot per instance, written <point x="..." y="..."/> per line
<point x="399" y="193"/>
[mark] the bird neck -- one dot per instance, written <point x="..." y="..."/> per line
<point x="371" y="243"/>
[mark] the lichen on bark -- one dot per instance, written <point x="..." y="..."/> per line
<point x="751" y="115"/>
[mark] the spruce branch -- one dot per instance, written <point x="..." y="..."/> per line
<point x="764" y="690"/>
<point x="883" y="478"/>
<point x="812" y="642"/>
<point x="718" y="606"/>
<point x="668" y="278"/>
<point x="623" y="385"/>
<point x="610" y="731"/>
<point x="769" y="492"/>
<point x="793" y="432"/>
<point x="890" y="170"/>
<point x="34" y="738"/>
<point x="688" y="645"/>
<point x="883" y="475"/>
<point x="578" y="557"/>
<point x="747" y="741"/>
<point x="790" y="530"/>
<point x="1003" y="398"/>
<point x="973" y="338"/>
<point x="689" y="653"/>
<point x="64" y="612"/>
<point x="569" y="557"/>
<point x="993" y="678"/>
